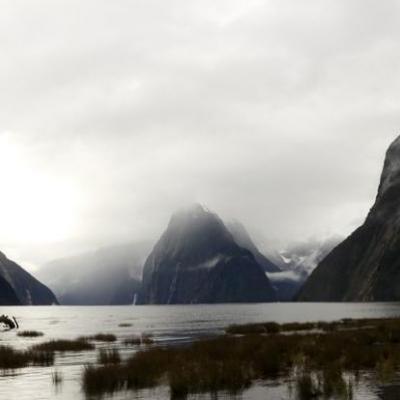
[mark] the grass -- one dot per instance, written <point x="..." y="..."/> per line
<point x="133" y="341"/>
<point x="56" y="378"/>
<point x="322" y="359"/>
<point x="293" y="327"/>
<point x="147" y="338"/>
<point x="307" y="387"/>
<point x="139" y="340"/>
<point x="30" y="334"/>
<point x="64" y="345"/>
<point x="108" y="356"/>
<point x="273" y="327"/>
<point x="141" y="371"/>
<point x="100" y="337"/>
<point x="267" y="328"/>
<point x="13" y="359"/>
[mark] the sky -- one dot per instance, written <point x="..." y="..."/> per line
<point x="113" y="114"/>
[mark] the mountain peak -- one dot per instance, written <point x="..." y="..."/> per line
<point x="197" y="260"/>
<point x="396" y="142"/>
<point x="243" y="239"/>
<point x="389" y="187"/>
<point x="194" y="210"/>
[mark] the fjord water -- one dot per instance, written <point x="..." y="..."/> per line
<point x="169" y="325"/>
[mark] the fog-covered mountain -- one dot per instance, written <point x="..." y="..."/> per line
<point x="197" y="260"/>
<point x="110" y="275"/>
<point x="28" y="290"/>
<point x="297" y="262"/>
<point x="243" y="239"/>
<point x="366" y="266"/>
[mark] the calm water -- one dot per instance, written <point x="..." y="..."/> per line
<point x="169" y="325"/>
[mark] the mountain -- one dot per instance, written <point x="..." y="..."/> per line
<point x="197" y="260"/>
<point x="297" y="262"/>
<point x="243" y="239"/>
<point x="7" y="295"/>
<point x="366" y="266"/>
<point x="110" y="275"/>
<point x="27" y="288"/>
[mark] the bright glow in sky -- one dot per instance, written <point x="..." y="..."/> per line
<point x="35" y="208"/>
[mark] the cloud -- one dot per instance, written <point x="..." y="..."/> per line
<point x="277" y="113"/>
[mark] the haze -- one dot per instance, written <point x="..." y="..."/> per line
<point x="114" y="114"/>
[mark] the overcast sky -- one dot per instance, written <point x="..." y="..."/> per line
<point x="114" y="113"/>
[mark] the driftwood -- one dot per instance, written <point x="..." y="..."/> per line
<point x="7" y="321"/>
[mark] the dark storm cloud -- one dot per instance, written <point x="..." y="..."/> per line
<point x="277" y="113"/>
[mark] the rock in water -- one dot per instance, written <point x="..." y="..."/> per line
<point x="27" y="288"/>
<point x="197" y="261"/>
<point x="366" y="266"/>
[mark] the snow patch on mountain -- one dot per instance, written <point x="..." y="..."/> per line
<point x="212" y="262"/>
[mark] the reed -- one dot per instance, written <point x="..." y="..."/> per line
<point x="30" y="334"/>
<point x="108" y="356"/>
<point x="100" y="337"/>
<point x="64" y="345"/>
<point x="13" y="359"/>
<point x="323" y="363"/>
<point x="56" y="378"/>
<point x="139" y="339"/>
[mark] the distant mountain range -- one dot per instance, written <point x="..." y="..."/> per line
<point x="17" y="286"/>
<point x="110" y="275"/>
<point x="197" y="260"/>
<point x="296" y="263"/>
<point x="366" y="266"/>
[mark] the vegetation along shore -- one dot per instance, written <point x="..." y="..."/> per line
<point x="317" y="360"/>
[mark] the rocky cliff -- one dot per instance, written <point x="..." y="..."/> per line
<point x="7" y="295"/>
<point x="366" y="266"/>
<point x="27" y="288"/>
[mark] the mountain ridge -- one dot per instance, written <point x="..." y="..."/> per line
<point x="243" y="239"/>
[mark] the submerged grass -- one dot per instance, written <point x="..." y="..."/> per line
<point x="139" y="339"/>
<point x="108" y="356"/>
<point x="13" y="359"/>
<point x="133" y="341"/>
<point x="56" y="378"/>
<point x="322" y="362"/>
<point x="79" y="344"/>
<point x="31" y="334"/>
<point x="100" y="337"/>
<point x="344" y="324"/>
